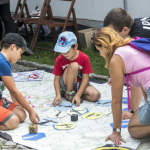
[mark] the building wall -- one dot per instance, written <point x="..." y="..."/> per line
<point x="138" y="8"/>
<point x="92" y="10"/>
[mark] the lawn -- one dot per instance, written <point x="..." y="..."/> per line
<point x="46" y="57"/>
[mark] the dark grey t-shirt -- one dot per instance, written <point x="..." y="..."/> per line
<point x="140" y="28"/>
<point x="4" y="1"/>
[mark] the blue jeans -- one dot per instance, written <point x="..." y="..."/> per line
<point x="143" y="112"/>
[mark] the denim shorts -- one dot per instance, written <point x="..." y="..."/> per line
<point x="63" y="87"/>
<point x="143" y="112"/>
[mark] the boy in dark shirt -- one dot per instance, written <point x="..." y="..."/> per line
<point x="125" y="25"/>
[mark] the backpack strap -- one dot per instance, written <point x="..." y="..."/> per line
<point x="142" y="44"/>
<point x="127" y="81"/>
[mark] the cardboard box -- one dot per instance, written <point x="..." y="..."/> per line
<point x="85" y="37"/>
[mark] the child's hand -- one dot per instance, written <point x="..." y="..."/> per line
<point x="57" y="98"/>
<point x="34" y="117"/>
<point x="77" y="99"/>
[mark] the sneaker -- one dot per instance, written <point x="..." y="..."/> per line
<point x="63" y="94"/>
<point x="70" y="95"/>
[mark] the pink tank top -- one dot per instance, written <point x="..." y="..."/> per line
<point x="135" y="60"/>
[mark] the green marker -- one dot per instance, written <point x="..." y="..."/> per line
<point x="90" y="115"/>
<point x="77" y="111"/>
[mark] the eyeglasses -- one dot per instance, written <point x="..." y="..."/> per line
<point x="93" y="38"/>
<point x="23" y="50"/>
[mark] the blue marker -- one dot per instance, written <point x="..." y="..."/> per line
<point x="123" y="125"/>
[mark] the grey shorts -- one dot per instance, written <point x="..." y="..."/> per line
<point x="63" y="87"/>
<point x="143" y="112"/>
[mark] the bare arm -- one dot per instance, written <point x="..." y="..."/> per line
<point x="84" y="83"/>
<point x="57" y="85"/>
<point x="57" y="90"/>
<point x="145" y="95"/>
<point x="117" y="81"/>
<point x="136" y="96"/>
<point x="117" y="71"/>
<point x="13" y="99"/>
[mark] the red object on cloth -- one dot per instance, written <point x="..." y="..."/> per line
<point x="33" y="76"/>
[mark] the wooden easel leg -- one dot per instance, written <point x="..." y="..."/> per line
<point x="38" y="28"/>
<point x="76" y="28"/>
<point x="31" y="29"/>
<point x="17" y="8"/>
<point x="27" y="33"/>
<point x="53" y="35"/>
<point x="54" y="40"/>
<point x="55" y="55"/>
<point x="35" y="37"/>
<point x="28" y="15"/>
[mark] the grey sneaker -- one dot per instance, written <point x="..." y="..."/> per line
<point x="70" y="95"/>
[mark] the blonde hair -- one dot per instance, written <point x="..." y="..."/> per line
<point x="111" y="40"/>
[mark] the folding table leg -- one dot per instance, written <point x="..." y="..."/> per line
<point x="28" y="37"/>
<point x="35" y="37"/>
<point x="76" y="28"/>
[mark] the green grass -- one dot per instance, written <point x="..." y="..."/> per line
<point x="46" y="57"/>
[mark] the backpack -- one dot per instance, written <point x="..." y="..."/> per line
<point x="142" y="44"/>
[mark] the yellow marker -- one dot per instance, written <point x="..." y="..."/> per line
<point x="111" y="148"/>
<point x="92" y="115"/>
<point x="65" y="126"/>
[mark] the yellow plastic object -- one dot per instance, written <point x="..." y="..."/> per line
<point x="92" y="115"/>
<point x="111" y="148"/>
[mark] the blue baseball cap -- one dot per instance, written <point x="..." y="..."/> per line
<point x="65" y="41"/>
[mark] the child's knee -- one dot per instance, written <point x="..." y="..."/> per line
<point x="96" y="96"/>
<point x="73" y="66"/>
<point x="22" y="115"/>
<point x="20" y="112"/>
<point x="12" y="123"/>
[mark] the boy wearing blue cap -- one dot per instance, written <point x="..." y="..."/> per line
<point x="11" y="114"/>
<point x="71" y="72"/>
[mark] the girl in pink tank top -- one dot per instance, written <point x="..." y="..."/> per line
<point x="122" y="59"/>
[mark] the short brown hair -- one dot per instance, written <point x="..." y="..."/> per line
<point x="7" y="45"/>
<point x="73" y="46"/>
<point x="119" y="19"/>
